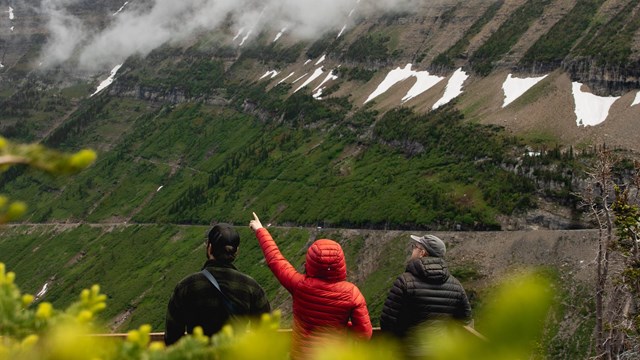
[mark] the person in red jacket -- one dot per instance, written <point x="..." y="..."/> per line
<point x="323" y="300"/>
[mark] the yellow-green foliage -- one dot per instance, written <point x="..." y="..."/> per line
<point x="40" y="157"/>
<point x="41" y="332"/>
<point x="11" y="210"/>
<point x="513" y="323"/>
<point x="37" y="156"/>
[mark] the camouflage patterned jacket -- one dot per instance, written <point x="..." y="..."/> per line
<point x="196" y="302"/>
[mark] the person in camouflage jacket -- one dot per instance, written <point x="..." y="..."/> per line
<point x="196" y="302"/>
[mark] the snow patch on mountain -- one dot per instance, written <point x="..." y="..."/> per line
<point x="278" y="35"/>
<point x="424" y="81"/>
<point x="121" y="8"/>
<point x="42" y="291"/>
<point x="313" y="76"/>
<point x="319" y="89"/>
<point x="590" y="109"/>
<point x="285" y="79"/>
<point x="514" y="87"/>
<point x="636" y="101"/>
<point x="272" y="73"/>
<point x="108" y="80"/>
<point x="300" y="78"/>
<point x="453" y="89"/>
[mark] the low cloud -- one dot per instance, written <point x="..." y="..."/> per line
<point x="65" y="32"/>
<point x="143" y="26"/>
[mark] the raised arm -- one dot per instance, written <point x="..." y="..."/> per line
<point x="279" y="265"/>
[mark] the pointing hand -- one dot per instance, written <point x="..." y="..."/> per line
<point x="255" y="224"/>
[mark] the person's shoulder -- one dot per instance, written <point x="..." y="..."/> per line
<point x="249" y="282"/>
<point x="407" y="276"/>
<point x="453" y="280"/>
<point x="347" y="286"/>
<point x="190" y="279"/>
<point x="189" y="284"/>
<point x="234" y="274"/>
<point x="248" y="278"/>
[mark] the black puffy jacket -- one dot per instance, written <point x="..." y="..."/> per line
<point x="425" y="291"/>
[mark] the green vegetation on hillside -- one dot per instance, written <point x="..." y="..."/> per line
<point x="448" y="15"/>
<point x="355" y="73"/>
<point x="42" y="107"/>
<point x="466" y="181"/>
<point x="506" y="36"/>
<point x="280" y="173"/>
<point x="193" y="76"/>
<point x="447" y="58"/>
<point x="327" y="44"/>
<point x="556" y="44"/>
<point x="273" y="52"/>
<point x="610" y="43"/>
<point x="36" y="156"/>
<point x="69" y="134"/>
<point x="577" y="301"/>
<point x="299" y="159"/>
<point x="369" y="48"/>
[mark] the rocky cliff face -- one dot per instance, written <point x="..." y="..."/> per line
<point x="605" y="79"/>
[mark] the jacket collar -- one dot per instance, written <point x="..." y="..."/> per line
<point x="216" y="263"/>
<point x="433" y="270"/>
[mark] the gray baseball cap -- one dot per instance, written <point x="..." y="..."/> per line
<point x="433" y="244"/>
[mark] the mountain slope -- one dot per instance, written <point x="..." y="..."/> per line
<point x="229" y="121"/>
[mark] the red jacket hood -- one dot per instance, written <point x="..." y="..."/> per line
<point x="325" y="260"/>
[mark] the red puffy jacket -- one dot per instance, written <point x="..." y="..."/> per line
<point x="322" y="298"/>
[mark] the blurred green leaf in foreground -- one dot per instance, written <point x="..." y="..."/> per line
<point x="41" y="158"/>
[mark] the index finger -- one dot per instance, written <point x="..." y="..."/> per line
<point x="255" y="217"/>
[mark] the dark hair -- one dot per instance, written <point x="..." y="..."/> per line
<point x="224" y="241"/>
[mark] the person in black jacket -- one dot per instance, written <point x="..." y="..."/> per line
<point x="196" y="301"/>
<point x="425" y="292"/>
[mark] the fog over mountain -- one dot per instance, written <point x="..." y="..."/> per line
<point x="141" y="27"/>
